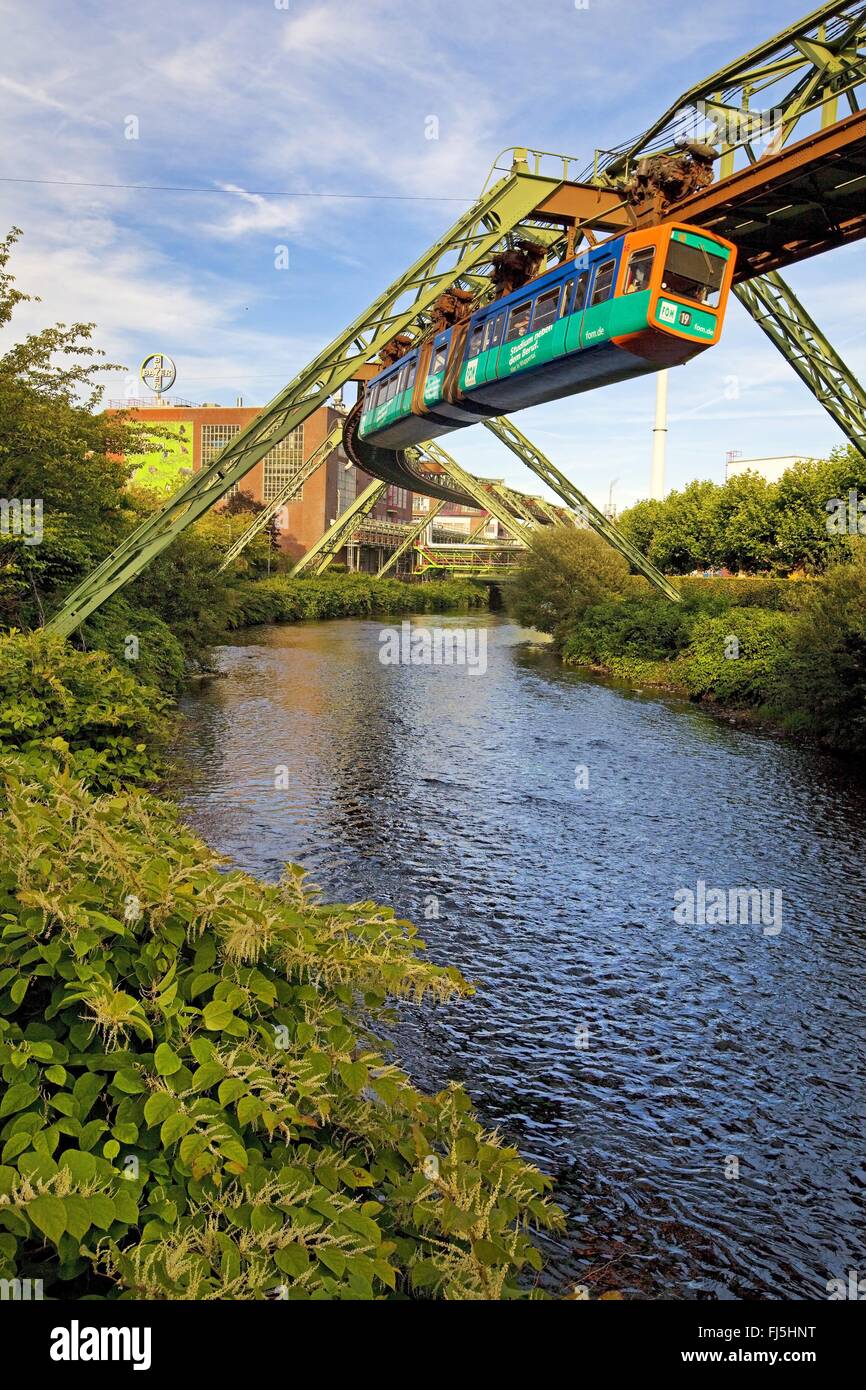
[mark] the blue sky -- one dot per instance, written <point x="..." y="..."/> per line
<point x="334" y="96"/>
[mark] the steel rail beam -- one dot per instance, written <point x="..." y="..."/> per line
<point x="468" y="245"/>
<point x="517" y="442"/>
<point x="821" y="57"/>
<point x="409" y="540"/>
<point x="286" y="493"/>
<point x="320" y="555"/>
<point x="485" y="497"/>
<point x="776" y="309"/>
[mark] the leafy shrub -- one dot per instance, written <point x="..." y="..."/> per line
<point x="750" y="678"/>
<point x="566" y="572"/>
<point x="823" y="685"/>
<point x="649" y="629"/>
<point x="194" y="1104"/>
<point x="283" y="600"/>
<point x="54" y="699"/>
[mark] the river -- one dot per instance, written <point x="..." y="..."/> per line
<point x="696" y="1090"/>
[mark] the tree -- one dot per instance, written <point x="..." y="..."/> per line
<point x="566" y="572"/>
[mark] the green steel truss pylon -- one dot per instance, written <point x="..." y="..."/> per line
<point x="751" y="108"/>
<point x="517" y="442"/>
<point x="341" y="531"/>
<point x="468" y="245"/>
<point x="775" y="309"/>
<point x="409" y="539"/>
<point x="485" y="497"/>
<point x="513" y="500"/>
<point x="762" y="96"/>
<point x="286" y="493"/>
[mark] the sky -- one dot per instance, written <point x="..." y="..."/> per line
<point x="242" y="100"/>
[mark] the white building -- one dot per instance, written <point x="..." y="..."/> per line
<point x="769" y="468"/>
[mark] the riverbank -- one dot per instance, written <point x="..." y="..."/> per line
<point x="196" y="1102"/>
<point x="788" y="654"/>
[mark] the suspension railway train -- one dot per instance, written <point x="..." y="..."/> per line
<point x="634" y="303"/>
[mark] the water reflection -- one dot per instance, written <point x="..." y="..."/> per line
<point x="704" y="1044"/>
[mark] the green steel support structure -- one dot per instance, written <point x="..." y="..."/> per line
<point x="269" y="511"/>
<point x="468" y="245"/>
<point x="777" y="311"/>
<point x="806" y="70"/>
<point x="409" y="540"/>
<point x="517" y="504"/>
<point x="320" y="555"/>
<point x="485" y="497"/>
<point x="577" y="501"/>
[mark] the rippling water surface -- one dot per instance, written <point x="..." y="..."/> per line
<point x="703" y="1043"/>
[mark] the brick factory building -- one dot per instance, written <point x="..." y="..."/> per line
<point x="199" y="432"/>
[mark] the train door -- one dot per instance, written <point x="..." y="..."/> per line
<point x="573" y="305"/>
<point x="595" y="327"/>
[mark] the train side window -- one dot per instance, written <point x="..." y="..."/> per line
<point x="546" y="306"/>
<point x="580" y="292"/>
<point x="518" y="322"/>
<point x="564" y="307"/>
<point x="493" y="331"/>
<point x="410" y="374"/>
<point x="391" y="387"/>
<point x="438" y="360"/>
<point x="640" y="265"/>
<point x="475" y="338"/>
<point x="603" y="283"/>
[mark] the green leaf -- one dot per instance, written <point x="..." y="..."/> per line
<point x="217" y="1015"/>
<point x="174" y="1128"/>
<point x="486" y="1253"/>
<point x="18" y="1097"/>
<point x="207" y="1075"/>
<point x="292" y="1260"/>
<point x="77" y="1215"/>
<point x="49" y="1214"/>
<point x="129" y="1082"/>
<point x="355" y="1076"/>
<point x="159" y="1106"/>
<point x="166" y="1060"/>
<point x="82" y="1166"/>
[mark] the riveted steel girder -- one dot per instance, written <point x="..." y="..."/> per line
<point x="483" y="495"/>
<point x="286" y="493"/>
<point x="776" y="309"/>
<point x="809" y="66"/>
<point x="517" y="442"/>
<point x="320" y="555"/>
<point x="468" y="245"/>
<point x="409" y="539"/>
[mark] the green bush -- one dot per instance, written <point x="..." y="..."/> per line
<point x="823" y="684"/>
<point x="649" y="629"/>
<point x="283" y="600"/>
<point x="566" y="572"/>
<point x="710" y="670"/>
<point x="194" y="1104"/>
<point x="54" y="700"/>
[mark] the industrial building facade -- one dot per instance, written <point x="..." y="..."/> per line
<point x="196" y="434"/>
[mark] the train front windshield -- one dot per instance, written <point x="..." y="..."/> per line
<point x="693" y="272"/>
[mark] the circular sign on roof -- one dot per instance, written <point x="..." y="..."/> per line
<point x="158" y="372"/>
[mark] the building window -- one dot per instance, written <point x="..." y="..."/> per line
<point x="281" y="465"/>
<point x="214" y="438"/>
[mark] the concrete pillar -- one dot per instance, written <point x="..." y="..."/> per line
<point x="660" y="437"/>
